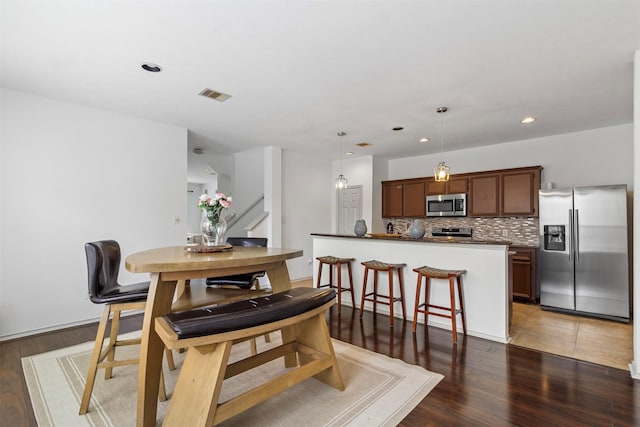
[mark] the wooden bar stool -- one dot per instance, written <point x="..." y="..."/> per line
<point x="338" y="262"/>
<point x="374" y="296"/>
<point x="429" y="273"/>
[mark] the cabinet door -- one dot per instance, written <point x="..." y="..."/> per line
<point x="391" y="200"/>
<point x="520" y="193"/>
<point x="457" y="185"/>
<point x="413" y="199"/>
<point x="524" y="274"/>
<point x="453" y="186"/>
<point x="484" y="195"/>
<point x="435" y="188"/>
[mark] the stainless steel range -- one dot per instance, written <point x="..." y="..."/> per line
<point x="452" y="232"/>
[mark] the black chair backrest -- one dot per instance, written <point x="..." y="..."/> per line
<point x="103" y="265"/>
<point x="247" y="241"/>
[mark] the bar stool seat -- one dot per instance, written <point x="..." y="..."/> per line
<point x="338" y="262"/>
<point x="455" y="278"/>
<point x="374" y="296"/>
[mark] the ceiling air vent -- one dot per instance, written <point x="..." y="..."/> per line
<point x="213" y="94"/>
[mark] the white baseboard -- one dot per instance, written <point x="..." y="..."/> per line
<point x="634" y="370"/>
<point x="59" y="326"/>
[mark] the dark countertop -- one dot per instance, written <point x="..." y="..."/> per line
<point x="426" y="239"/>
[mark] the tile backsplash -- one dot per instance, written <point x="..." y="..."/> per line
<point x="520" y="231"/>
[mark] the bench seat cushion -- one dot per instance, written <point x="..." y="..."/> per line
<point x="247" y="313"/>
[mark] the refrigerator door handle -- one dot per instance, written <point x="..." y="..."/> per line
<point x="576" y="230"/>
<point x="571" y="234"/>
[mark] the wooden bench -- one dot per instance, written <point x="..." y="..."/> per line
<point x="209" y="334"/>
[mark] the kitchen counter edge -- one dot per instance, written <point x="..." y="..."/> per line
<point x="463" y="240"/>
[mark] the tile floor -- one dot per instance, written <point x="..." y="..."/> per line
<point x="593" y="340"/>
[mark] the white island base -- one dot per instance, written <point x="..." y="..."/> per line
<point x="485" y="284"/>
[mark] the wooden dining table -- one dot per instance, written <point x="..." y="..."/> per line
<point x="172" y="265"/>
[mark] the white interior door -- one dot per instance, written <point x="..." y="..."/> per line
<point x="349" y="208"/>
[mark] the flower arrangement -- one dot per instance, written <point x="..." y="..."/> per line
<point x="214" y="205"/>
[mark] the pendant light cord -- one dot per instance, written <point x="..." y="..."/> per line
<point x="441" y="135"/>
<point x="441" y="111"/>
<point x="340" y="134"/>
<point x="340" y="151"/>
<point x="341" y="181"/>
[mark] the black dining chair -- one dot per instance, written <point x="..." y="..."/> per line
<point x="103" y="265"/>
<point x="243" y="281"/>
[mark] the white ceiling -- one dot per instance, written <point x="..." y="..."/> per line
<point x="300" y="71"/>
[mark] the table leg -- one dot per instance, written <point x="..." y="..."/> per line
<point x="280" y="282"/>
<point x="279" y="278"/>
<point x="151" y="350"/>
<point x="181" y="288"/>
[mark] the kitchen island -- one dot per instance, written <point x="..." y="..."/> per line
<point x="485" y="285"/>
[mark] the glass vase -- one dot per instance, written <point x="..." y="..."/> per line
<point x="213" y="230"/>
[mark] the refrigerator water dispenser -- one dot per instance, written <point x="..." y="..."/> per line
<point x="554" y="238"/>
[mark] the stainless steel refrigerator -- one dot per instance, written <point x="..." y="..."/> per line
<point x="584" y="263"/>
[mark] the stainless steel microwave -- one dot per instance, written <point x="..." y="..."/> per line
<point x="447" y="205"/>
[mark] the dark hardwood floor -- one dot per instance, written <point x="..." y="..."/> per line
<point x="485" y="383"/>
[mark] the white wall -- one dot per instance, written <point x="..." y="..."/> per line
<point x="273" y="194"/>
<point x="223" y="183"/>
<point x="306" y="206"/>
<point x="73" y="174"/>
<point x="249" y="171"/>
<point x="245" y="186"/>
<point x="194" y="213"/>
<point x="635" y="365"/>
<point x="380" y="173"/>
<point x="592" y="157"/>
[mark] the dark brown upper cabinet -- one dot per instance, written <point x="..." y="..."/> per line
<point x="520" y="192"/>
<point x="484" y="195"/>
<point x="391" y="199"/>
<point x="413" y="199"/>
<point x="506" y="192"/>
<point x="403" y="198"/>
<point x="509" y="192"/>
<point x="455" y="185"/>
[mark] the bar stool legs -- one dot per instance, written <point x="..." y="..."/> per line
<point x="338" y="262"/>
<point x="455" y="280"/>
<point x="374" y="296"/>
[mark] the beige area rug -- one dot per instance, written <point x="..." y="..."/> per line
<point x="380" y="391"/>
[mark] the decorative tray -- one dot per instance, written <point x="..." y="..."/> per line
<point x="385" y="235"/>
<point x="206" y="249"/>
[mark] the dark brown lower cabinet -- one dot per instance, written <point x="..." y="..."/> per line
<point x="524" y="274"/>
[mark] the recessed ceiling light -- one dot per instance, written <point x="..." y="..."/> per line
<point x="198" y="151"/>
<point x="214" y="94"/>
<point x="152" y="68"/>
<point x="349" y="153"/>
<point x="424" y="139"/>
<point x="397" y="128"/>
<point x="528" y="120"/>
<point x="363" y="144"/>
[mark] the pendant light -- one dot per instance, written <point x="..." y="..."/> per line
<point x="441" y="172"/>
<point x="341" y="181"/>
